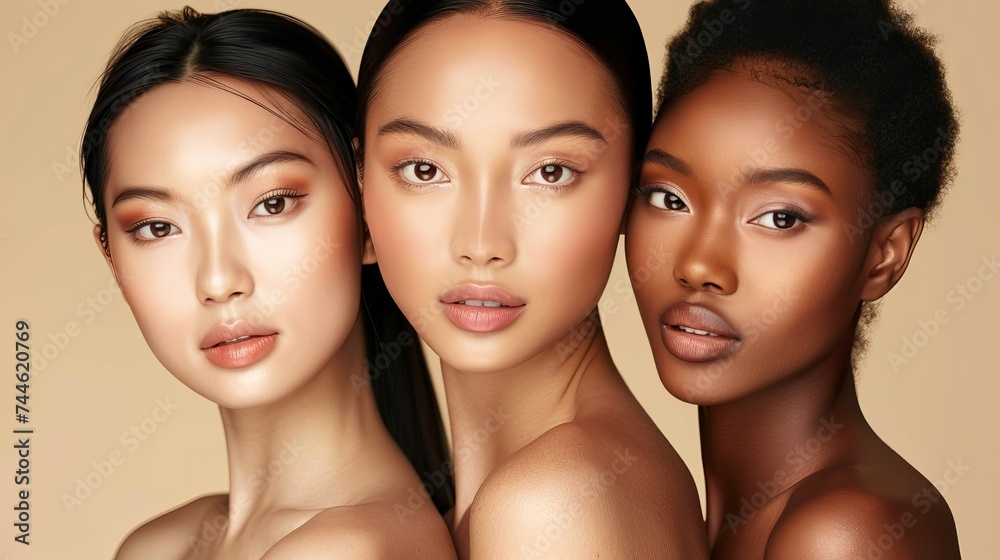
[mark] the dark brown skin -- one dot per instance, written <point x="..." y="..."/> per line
<point x="793" y="470"/>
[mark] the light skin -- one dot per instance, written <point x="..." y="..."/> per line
<point x="510" y="168"/>
<point x="742" y="212"/>
<point x="220" y="213"/>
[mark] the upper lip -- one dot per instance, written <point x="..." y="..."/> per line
<point x="465" y="292"/>
<point x="697" y="317"/>
<point x="224" y="332"/>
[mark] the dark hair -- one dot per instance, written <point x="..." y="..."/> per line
<point x="880" y="68"/>
<point x="607" y="27"/>
<point x="285" y="54"/>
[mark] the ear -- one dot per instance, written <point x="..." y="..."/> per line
<point x="359" y="163"/>
<point x="889" y="251"/>
<point x="105" y="252"/>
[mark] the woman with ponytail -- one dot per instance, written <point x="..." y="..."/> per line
<point x="219" y="162"/>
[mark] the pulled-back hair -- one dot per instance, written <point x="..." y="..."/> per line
<point x="288" y="56"/>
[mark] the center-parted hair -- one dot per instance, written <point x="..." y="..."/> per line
<point x="291" y="58"/>
<point x="607" y="28"/>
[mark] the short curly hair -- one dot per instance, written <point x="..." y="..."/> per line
<point x="880" y="68"/>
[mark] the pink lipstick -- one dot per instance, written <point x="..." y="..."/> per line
<point x="237" y="344"/>
<point x="481" y="309"/>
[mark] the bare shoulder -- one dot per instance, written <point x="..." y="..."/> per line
<point x="854" y="512"/>
<point x="377" y="530"/>
<point x="169" y="535"/>
<point x="585" y="486"/>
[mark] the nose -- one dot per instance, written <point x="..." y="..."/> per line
<point x="706" y="263"/>
<point x="222" y="274"/>
<point x="484" y="230"/>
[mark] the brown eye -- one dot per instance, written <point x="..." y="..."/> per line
<point x="783" y="221"/>
<point x="425" y="171"/>
<point x="155" y="230"/>
<point x="159" y="229"/>
<point x="780" y="220"/>
<point x="666" y="200"/>
<point x="274" y="205"/>
<point x="422" y="173"/>
<point x="552" y="173"/>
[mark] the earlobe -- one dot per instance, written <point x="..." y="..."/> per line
<point x="359" y="165"/>
<point x="102" y="246"/>
<point x="889" y="252"/>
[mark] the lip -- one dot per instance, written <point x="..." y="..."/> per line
<point x="690" y="347"/>
<point x="238" y="344"/>
<point x="481" y="318"/>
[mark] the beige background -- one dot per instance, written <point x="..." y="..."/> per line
<point x="100" y="379"/>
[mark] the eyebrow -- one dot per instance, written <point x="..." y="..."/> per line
<point x="663" y="159"/>
<point x="796" y="176"/>
<point x="242" y="174"/>
<point x="410" y="126"/>
<point x="754" y="176"/>
<point x="571" y="128"/>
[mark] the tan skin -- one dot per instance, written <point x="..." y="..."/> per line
<point x="554" y="457"/>
<point x="792" y="468"/>
<point x="313" y="471"/>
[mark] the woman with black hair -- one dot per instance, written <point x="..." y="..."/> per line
<point x="778" y="201"/>
<point x="498" y="142"/>
<point x="219" y="161"/>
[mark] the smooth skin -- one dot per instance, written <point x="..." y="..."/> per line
<point x="497" y="154"/>
<point x="746" y="194"/>
<point x="236" y="215"/>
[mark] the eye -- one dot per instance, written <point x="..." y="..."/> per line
<point x="552" y="175"/>
<point x="667" y="201"/>
<point x="779" y="220"/>
<point x="274" y="203"/>
<point x="270" y="206"/>
<point x="154" y="230"/>
<point x="422" y="173"/>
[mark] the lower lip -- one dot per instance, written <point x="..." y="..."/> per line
<point x="241" y="354"/>
<point x="695" y="347"/>
<point x="481" y="319"/>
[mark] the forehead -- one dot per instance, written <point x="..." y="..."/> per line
<point x="191" y="125"/>
<point x="743" y="120"/>
<point x="465" y="71"/>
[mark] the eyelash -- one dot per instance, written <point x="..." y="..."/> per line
<point x="648" y="190"/>
<point x="138" y="225"/>
<point x="398" y="178"/>
<point x="397" y="168"/>
<point x="577" y="173"/>
<point x="279" y="193"/>
<point x="801" y="217"/>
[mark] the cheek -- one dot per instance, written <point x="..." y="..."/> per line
<point x="649" y="257"/>
<point x="410" y="234"/>
<point x="161" y="304"/>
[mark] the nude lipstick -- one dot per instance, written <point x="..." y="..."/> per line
<point x="694" y="333"/>
<point x="237" y="345"/>
<point x="481" y="309"/>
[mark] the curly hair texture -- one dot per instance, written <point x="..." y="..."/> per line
<point x="880" y="82"/>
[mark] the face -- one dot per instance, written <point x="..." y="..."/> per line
<point x="739" y="241"/>
<point x="495" y="180"/>
<point x="234" y="240"/>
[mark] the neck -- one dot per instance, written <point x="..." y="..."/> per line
<point x="296" y="453"/>
<point x="759" y="446"/>
<point x="493" y="415"/>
